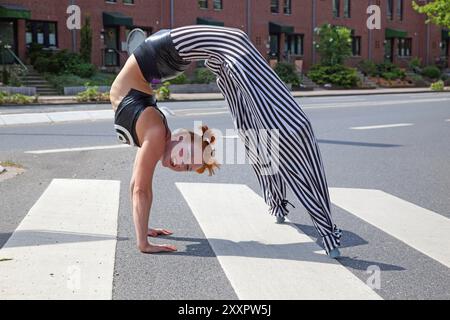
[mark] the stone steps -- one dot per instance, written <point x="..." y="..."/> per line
<point x="34" y="79"/>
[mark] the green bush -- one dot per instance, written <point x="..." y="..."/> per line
<point x="390" y="71"/>
<point x="6" y="98"/>
<point x="92" y="94"/>
<point x="369" y="68"/>
<point x="437" y="86"/>
<point x="286" y="72"/>
<point x="63" y="62"/>
<point x="84" y="70"/>
<point x="35" y="51"/>
<point x="338" y="75"/>
<point x="334" y="44"/>
<point x="415" y="63"/>
<point x="181" y="79"/>
<point x="163" y="92"/>
<point x="389" y="75"/>
<point x="11" y="76"/>
<point x="204" y="75"/>
<point x="431" y="72"/>
<point x="44" y="64"/>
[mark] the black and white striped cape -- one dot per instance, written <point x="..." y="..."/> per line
<point x="259" y="100"/>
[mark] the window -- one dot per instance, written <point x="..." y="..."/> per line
<point x="336" y="8"/>
<point x="356" y="46"/>
<point x="203" y="4"/>
<point x="347" y="8"/>
<point x="41" y="32"/>
<point x="404" y="47"/>
<point x="111" y="1"/>
<point x="218" y="4"/>
<point x="400" y="10"/>
<point x="274" y="6"/>
<point x="294" y="44"/>
<point x="287" y="7"/>
<point x="390" y="9"/>
<point x="128" y="1"/>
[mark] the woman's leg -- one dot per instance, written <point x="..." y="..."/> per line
<point x="302" y="170"/>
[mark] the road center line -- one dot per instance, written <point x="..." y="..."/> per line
<point x="65" y="246"/>
<point x="264" y="260"/>
<point x="383" y="126"/>
<point x="118" y="146"/>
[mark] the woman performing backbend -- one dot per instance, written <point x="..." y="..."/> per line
<point x="258" y="101"/>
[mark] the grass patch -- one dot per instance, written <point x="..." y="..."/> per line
<point x="9" y="163"/>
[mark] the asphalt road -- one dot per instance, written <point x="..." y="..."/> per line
<point x="409" y="161"/>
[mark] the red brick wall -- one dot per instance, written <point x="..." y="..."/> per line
<point x="145" y="13"/>
<point x="156" y="14"/>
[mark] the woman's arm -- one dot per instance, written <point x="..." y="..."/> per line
<point x="142" y="194"/>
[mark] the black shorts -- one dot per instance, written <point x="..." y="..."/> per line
<point x="128" y="112"/>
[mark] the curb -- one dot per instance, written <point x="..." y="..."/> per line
<point x="55" y="117"/>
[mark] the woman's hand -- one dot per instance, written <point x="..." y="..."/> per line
<point x="153" y="248"/>
<point x="158" y="232"/>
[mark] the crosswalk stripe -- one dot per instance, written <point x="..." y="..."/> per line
<point x="419" y="228"/>
<point x="261" y="259"/>
<point x="65" y="246"/>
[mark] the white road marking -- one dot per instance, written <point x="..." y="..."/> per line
<point x="204" y="113"/>
<point x="230" y="137"/>
<point x="118" y="146"/>
<point x="396" y="125"/>
<point x="261" y="259"/>
<point x="65" y="246"/>
<point x="419" y="228"/>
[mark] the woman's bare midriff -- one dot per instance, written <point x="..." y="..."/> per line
<point x="130" y="77"/>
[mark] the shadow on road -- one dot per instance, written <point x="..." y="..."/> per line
<point x="28" y="238"/>
<point x="289" y="251"/>
<point x="360" y="144"/>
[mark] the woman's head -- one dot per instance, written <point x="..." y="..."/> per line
<point x="188" y="151"/>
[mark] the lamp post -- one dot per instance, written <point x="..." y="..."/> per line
<point x="74" y="33"/>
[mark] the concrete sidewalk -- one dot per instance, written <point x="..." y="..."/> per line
<point x="218" y="96"/>
<point x="55" y="117"/>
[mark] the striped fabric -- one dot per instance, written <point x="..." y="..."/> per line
<point x="259" y="100"/>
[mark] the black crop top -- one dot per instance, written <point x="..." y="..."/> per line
<point x="158" y="59"/>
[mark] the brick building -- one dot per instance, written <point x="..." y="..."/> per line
<point x="280" y="29"/>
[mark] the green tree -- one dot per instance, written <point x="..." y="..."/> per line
<point x="86" y="40"/>
<point x="333" y="43"/>
<point x="438" y="12"/>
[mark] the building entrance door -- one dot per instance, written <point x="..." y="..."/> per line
<point x="389" y="50"/>
<point x="7" y="38"/>
<point x="111" y="46"/>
